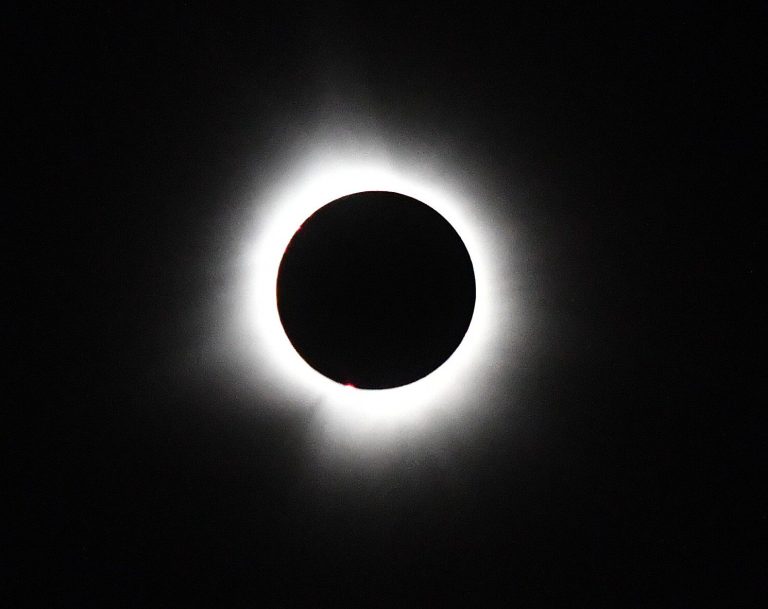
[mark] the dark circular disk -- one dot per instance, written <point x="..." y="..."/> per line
<point x="375" y="290"/>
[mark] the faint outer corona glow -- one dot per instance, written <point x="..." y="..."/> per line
<point x="462" y="384"/>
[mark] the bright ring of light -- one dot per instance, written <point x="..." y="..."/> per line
<point x="461" y="381"/>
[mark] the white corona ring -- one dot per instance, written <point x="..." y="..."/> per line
<point x="455" y="389"/>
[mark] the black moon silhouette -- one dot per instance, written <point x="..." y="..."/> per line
<point x="376" y="290"/>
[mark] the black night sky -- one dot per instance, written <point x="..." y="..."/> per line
<point x="617" y="140"/>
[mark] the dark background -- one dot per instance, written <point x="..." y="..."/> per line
<point x="628" y="134"/>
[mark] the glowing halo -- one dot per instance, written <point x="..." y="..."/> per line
<point x="473" y="369"/>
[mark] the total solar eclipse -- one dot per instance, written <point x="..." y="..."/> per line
<point x="375" y="290"/>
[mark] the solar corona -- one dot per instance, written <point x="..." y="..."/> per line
<point x="368" y="402"/>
